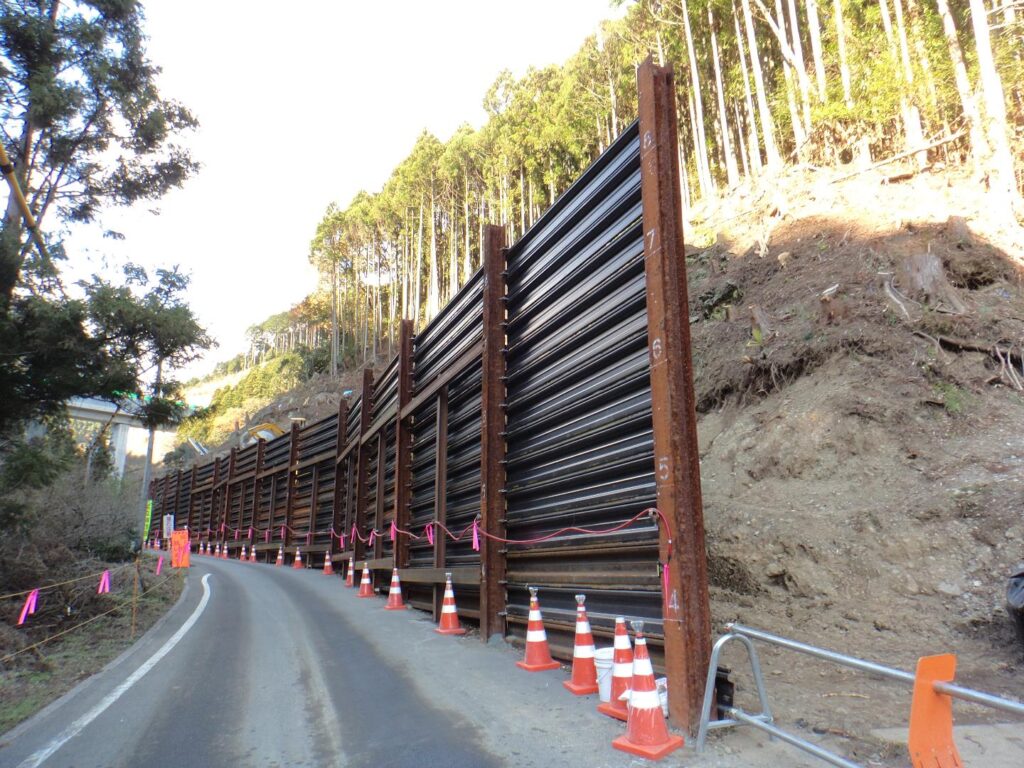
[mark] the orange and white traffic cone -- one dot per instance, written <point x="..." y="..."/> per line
<point x="243" y="555"/>
<point x="395" y="593"/>
<point x="622" y="673"/>
<point x="349" y="575"/>
<point x="584" y="673"/>
<point x="252" y="553"/>
<point x="280" y="556"/>
<point x="365" y="587"/>
<point x="449" y="624"/>
<point x="538" y="656"/>
<point x="328" y="565"/>
<point x="647" y="733"/>
<point x="216" y="553"/>
<point x="224" y="551"/>
<point x="297" y="562"/>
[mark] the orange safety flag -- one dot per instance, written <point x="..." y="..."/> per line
<point x="179" y="549"/>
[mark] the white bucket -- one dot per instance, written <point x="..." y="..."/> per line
<point x="603" y="662"/>
<point x="662" y="685"/>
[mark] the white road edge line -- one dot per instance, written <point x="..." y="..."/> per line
<point x="37" y="758"/>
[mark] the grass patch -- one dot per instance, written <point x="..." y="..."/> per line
<point x="37" y="677"/>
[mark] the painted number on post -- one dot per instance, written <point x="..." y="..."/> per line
<point x="651" y="238"/>
<point x="663" y="468"/>
<point x="656" y="349"/>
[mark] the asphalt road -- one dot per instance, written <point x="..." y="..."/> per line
<point x="272" y="672"/>
<point x="272" y="667"/>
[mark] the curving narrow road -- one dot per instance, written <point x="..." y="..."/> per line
<point x="277" y="668"/>
<point x="274" y="667"/>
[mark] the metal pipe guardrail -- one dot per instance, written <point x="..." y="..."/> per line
<point x="931" y="739"/>
<point x="949" y="689"/>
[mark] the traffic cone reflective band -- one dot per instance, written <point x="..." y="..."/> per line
<point x="584" y="673"/>
<point x="328" y="565"/>
<point x="365" y="587"/>
<point x="647" y="733"/>
<point x="349" y="578"/>
<point x="243" y="554"/>
<point x="297" y="562"/>
<point x="449" y="624"/>
<point x="280" y="556"/>
<point x="395" y="593"/>
<point x="538" y="657"/>
<point x="622" y="673"/>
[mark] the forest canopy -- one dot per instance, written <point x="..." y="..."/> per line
<point x="761" y="84"/>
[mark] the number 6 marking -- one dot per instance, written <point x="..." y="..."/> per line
<point x="656" y="349"/>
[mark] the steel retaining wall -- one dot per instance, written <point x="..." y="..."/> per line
<point x="575" y="447"/>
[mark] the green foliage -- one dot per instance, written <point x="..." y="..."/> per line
<point x="257" y="388"/>
<point x="83" y="114"/>
<point x="954" y="399"/>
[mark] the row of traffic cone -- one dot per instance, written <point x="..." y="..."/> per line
<point x="647" y="733"/>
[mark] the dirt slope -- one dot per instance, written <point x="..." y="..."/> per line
<point x="861" y="441"/>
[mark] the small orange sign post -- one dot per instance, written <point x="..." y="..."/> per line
<point x="179" y="549"/>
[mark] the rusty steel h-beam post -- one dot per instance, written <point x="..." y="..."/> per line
<point x="685" y="606"/>
<point x="492" y="438"/>
<point x="261" y="446"/>
<point x="339" y="472"/>
<point x="366" y="401"/>
<point x="293" y="474"/>
<point x="440" y="492"/>
<point x="403" y="445"/>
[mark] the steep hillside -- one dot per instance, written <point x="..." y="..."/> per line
<point x="858" y="355"/>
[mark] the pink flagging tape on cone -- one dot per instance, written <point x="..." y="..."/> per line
<point x="395" y="593"/>
<point x="365" y="586"/>
<point x="647" y="733"/>
<point x="350" y="579"/>
<point x="104" y="586"/>
<point x="622" y="673"/>
<point x="449" y="623"/>
<point x="297" y="562"/>
<point x="584" y="672"/>
<point x="159" y="565"/>
<point x="538" y="656"/>
<point x="30" y="606"/>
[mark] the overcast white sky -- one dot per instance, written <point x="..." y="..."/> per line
<point x="304" y="103"/>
